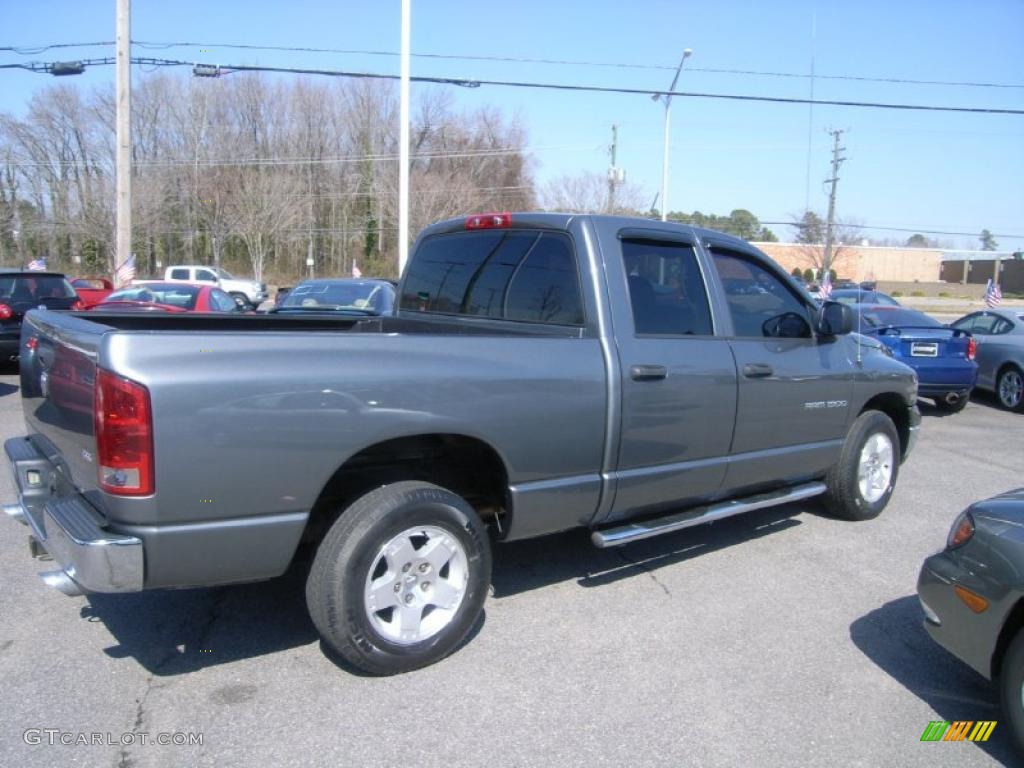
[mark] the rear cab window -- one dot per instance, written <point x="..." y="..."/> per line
<point x="503" y="274"/>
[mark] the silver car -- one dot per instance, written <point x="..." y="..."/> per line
<point x="1000" y="354"/>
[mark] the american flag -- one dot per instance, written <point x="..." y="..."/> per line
<point x="825" y="286"/>
<point x="37" y="265"/>
<point x="356" y="271"/>
<point x="992" y="294"/>
<point x="125" y="271"/>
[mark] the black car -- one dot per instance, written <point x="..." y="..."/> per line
<point x="353" y="296"/>
<point x="972" y="594"/>
<point x="21" y="291"/>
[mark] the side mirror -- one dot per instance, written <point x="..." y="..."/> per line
<point x="835" y="319"/>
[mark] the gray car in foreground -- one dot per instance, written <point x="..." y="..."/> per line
<point x="972" y="594"/>
<point x="541" y="372"/>
<point x="1000" y="353"/>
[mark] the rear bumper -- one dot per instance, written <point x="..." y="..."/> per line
<point x="70" y="530"/>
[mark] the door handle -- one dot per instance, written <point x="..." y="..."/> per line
<point x="757" y="370"/>
<point x="648" y="372"/>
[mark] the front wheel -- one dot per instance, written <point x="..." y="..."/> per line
<point x="1010" y="388"/>
<point x="861" y="482"/>
<point x="1011" y="689"/>
<point x="400" y="578"/>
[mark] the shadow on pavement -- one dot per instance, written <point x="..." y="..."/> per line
<point x="7" y="389"/>
<point x="893" y="638"/>
<point x="174" y="632"/>
<point x="535" y="563"/>
<point x="177" y="631"/>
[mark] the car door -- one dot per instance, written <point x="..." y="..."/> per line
<point x="794" y="388"/>
<point x="678" y="379"/>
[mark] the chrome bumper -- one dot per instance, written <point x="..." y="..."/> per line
<point x="914" y="430"/>
<point x="89" y="557"/>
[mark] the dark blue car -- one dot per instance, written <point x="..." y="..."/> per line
<point x="943" y="357"/>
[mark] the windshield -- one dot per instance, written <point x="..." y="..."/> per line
<point x="340" y="295"/>
<point x="224" y="274"/>
<point x="883" y="317"/>
<point x="25" y="288"/>
<point x="183" y="296"/>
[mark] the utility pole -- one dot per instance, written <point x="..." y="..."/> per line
<point x="830" y="223"/>
<point x="124" y="133"/>
<point x="613" y="171"/>
<point x="403" y="140"/>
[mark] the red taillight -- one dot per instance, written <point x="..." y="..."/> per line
<point x="972" y="348"/>
<point x="124" y="435"/>
<point x="489" y="221"/>
<point x="78" y="305"/>
<point x="5" y="312"/>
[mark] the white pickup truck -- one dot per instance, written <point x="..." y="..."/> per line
<point x="249" y="291"/>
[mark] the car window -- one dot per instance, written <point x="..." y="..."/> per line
<point x="506" y="274"/>
<point x="221" y="302"/>
<point x="182" y="296"/>
<point x="759" y="302"/>
<point x="1001" y="326"/>
<point x="206" y="276"/>
<point x="179" y="274"/>
<point x="885" y="317"/>
<point x="26" y="288"/>
<point x="666" y="288"/>
<point x="977" y="323"/>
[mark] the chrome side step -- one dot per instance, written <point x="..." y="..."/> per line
<point x="614" y="537"/>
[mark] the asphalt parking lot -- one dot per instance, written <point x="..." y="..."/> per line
<point x="781" y="638"/>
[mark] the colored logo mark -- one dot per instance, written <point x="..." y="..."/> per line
<point x="958" y="730"/>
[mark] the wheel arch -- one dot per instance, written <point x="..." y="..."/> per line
<point x="1011" y="626"/>
<point x="465" y="465"/>
<point x="895" y="407"/>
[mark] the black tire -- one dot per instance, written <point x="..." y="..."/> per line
<point x="1011" y="681"/>
<point x="1003" y="388"/>
<point x="959" y="405"/>
<point x="336" y="592"/>
<point x="243" y="301"/>
<point x="843" y="498"/>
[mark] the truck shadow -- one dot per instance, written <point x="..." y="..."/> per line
<point x="893" y="638"/>
<point x="534" y="563"/>
<point x="175" y="632"/>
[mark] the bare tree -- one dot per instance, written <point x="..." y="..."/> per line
<point x="588" y="193"/>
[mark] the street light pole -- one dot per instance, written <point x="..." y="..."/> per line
<point x="403" y="141"/>
<point x="123" y="238"/>
<point x="664" y="161"/>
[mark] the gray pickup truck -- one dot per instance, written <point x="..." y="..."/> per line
<point x="540" y="372"/>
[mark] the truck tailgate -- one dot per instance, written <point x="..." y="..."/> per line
<point x="58" y="374"/>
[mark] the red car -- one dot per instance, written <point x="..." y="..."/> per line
<point x="169" y="297"/>
<point x="92" y="290"/>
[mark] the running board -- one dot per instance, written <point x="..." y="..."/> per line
<point x="614" y="537"/>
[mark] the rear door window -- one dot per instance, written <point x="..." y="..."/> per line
<point x="522" y="275"/>
<point x="179" y="274"/>
<point x="666" y="288"/>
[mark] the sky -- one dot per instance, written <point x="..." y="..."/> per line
<point x="907" y="170"/>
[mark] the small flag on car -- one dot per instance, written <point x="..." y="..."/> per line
<point x="37" y="265"/>
<point x="825" y="286"/>
<point x="125" y="271"/>
<point x="356" y="272"/>
<point x="993" y="295"/>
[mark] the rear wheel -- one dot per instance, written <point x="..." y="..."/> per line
<point x="1010" y="388"/>
<point x="1011" y="689"/>
<point x="400" y="578"/>
<point x="243" y="301"/>
<point x="861" y="482"/>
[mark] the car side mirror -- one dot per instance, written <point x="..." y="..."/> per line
<point x="835" y="319"/>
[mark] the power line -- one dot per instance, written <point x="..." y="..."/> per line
<point x="156" y="45"/>
<point x="894" y="229"/>
<point x="472" y="83"/>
